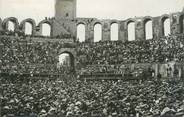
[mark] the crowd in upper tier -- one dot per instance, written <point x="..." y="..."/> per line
<point x="116" y="52"/>
<point x="19" y="54"/>
<point x="22" y="34"/>
<point x="110" y="53"/>
<point x="26" y="56"/>
<point x="74" y="98"/>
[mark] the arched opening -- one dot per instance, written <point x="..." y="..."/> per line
<point x="11" y="26"/>
<point x="66" y="62"/>
<point x="181" y="21"/>
<point x="114" y="32"/>
<point x="81" y="32"/>
<point x="131" y="31"/>
<point x="46" y="29"/>
<point x="166" y="29"/>
<point x="97" y="32"/>
<point x="28" y="28"/>
<point x="148" y="29"/>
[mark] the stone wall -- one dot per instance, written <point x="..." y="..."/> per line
<point x="176" y="24"/>
<point x="69" y="26"/>
<point x="65" y="9"/>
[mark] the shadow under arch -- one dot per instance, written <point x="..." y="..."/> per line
<point x="81" y="22"/>
<point x="72" y="58"/>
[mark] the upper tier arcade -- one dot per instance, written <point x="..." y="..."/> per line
<point x="65" y="23"/>
<point x="69" y="26"/>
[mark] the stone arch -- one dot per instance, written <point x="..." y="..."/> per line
<point x="95" y="34"/>
<point x="163" y="20"/>
<point x="148" y="27"/>
<point x="13" y="20"/>
<point x="130" y="26"/>
<point x="114" y="22"/>
<point x="163" y="17"/>
<point x="129" y="21"/>
<point x="97" y="22"/>
<point x="31" y="21"/>
<point x="81" y="22"/>
<point x="72" y="55"/>
<point x="81" y="26"/>
<point x="181" y="23"/>
<point x="48" y="22"/>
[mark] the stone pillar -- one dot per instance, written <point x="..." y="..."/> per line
<point x="123" y="32"/>
<point x="106" y="31"/>
<point x="33" y="31"/>
<point x="175" y="24"/>
<point x="0" y="24"/>
<point x="89" y="33"/>
<point x="51" y="31"/>
<point x="38" y="31"/>
<point x="139" y="30"/>
<point x="157" y="30"/>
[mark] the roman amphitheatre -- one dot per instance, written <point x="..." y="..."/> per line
<point x="137" y="75"/>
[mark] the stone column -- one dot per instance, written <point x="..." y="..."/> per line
<point x="106" y="31"/>
<point x="38" y="31"/>
<point x="175" y="24"/>
<point x="157" y="30"/>
<point x="89" y="33"/>
<point x="123" y="32"/>
<point x="0" y="24"/>
<point x="139" y="30"/>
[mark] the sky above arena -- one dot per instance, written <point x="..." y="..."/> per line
<point x="102" y="9"/>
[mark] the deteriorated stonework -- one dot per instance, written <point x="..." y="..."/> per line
<point x="65" y="22"/>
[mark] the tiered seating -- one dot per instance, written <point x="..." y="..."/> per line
<point x="91" y="99"/>
<point x="107" y="53"/>
<point x="20" y="55"/>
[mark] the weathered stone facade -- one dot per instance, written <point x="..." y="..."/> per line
<point x="68" y="25"/>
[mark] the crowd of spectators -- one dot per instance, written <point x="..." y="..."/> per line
<point x="20" y="33"/>
<point x="116" y="52"/>
<point x="107" y="53"/>
<point x="19" y="56"/>
<point x="75" y="98"/>
<point x="27" y="56"/>
<point x="114" y="69"/>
